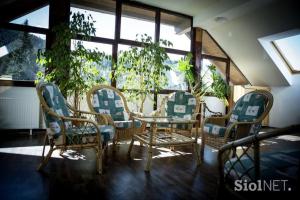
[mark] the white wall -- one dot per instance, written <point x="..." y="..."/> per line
<point x="286" y="107"/>
<point x="19" y="108"/>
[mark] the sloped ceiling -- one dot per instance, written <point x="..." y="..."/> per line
<point x="246" y="22"/>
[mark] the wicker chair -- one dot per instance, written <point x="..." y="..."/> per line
<point x="110" y="102"/>
<point x="68" y="128"/>
<point x="244" y="119"/>
<point x="179" y="104"/>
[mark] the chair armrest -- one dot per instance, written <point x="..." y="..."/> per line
<point x="109" y="119"/>
<point x="100" y="118"/>
<point x="155" y="113"/>
<point x="242" y="129"/>
<point x="135" y="114"/>
<point x="83" y="123"/>
<point x="218" y="120"/>
<point x="258" y="137"/>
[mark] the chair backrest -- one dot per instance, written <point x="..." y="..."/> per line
<point x="105" y="99"/>
<point x="53" y="105"/>
<point x="252" y="107"/>
<point x="181" y="104"/>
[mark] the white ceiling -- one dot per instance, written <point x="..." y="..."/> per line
<point x="247" y="21"/>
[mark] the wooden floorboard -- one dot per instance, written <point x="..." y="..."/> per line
<point x="172" y="176"/>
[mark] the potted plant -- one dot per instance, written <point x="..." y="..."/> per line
<point x="210" y="83"/>
<point x="143" y="69"/>
<point x="73" y="70"/>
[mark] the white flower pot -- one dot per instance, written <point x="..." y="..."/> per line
<point x="214" y="104"/>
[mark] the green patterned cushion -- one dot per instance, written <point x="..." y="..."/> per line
<point x="56" y="103"/>
<point x="127" y="124"/>
<point x="215" y="129"/>
<point x="249" y="108"/>
<point x="182" y="105"/>
<point x="84" y="135"/>
<point x="106" y="101"/>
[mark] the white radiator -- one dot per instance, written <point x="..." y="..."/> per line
<point x="19" y="108"/>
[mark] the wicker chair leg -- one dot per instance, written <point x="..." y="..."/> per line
<point x="99" y="153"/>
<point x="45" y="159"/>
<point x="149" y="159"/>
<point x="202" y="147"/>
<point x="196" y="149"/>
<point x="130" y="147"/>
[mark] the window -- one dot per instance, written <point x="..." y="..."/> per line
<point x="38" y="18"/>
<point x="206" y="74"/>
<point x="137" y="21"/>
<point x="176" y="80"/>
<point x="121" y="80"/>
<point x="176" y="30"/>
<point x="104" y="21"/>
<point x="18" y="53"/>
<point x="105" y="68"/>
<point x="289" y="49"/>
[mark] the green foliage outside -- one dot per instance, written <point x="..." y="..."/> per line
<point x="143" y="69"/>
<point x="19" y="63"/>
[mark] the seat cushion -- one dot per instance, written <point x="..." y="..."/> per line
<point x="107" y="101"/>
<point x="84" y="135"/>
<point x="283" y="165"/>
<point x="127" y="124"/>
<point x="215" y="129"/>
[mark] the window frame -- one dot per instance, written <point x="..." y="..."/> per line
<point x="114" y="42"/>
<point x="285" y="60"/>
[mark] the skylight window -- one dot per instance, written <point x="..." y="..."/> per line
<point x="289" y="49"/>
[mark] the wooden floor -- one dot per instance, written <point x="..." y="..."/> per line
<point x="173" y="175"/>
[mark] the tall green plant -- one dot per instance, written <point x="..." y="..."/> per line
<point x="196" y="82"/>
<point x="71" y="65"/>
<point x="143" y="69"/>
<point x="199" y="84"/>
<point x="219" y="87"/>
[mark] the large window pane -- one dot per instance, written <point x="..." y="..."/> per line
<point x="121" y="80"/>
<point x="104" y="21"/>
<point x="177" y="30"/>
<point x="137" y="21"/>
<point x="38" y="18"/>
<point x="105" y="67"/>
<point x="18" y="53"/>
<point x="176" y="80"/>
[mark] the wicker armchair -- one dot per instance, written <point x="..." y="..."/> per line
<point x="244" y="119"/>
<point x="68" y="128"/>
<point x="110" y="102"/>
<point x="182" y="105"/>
